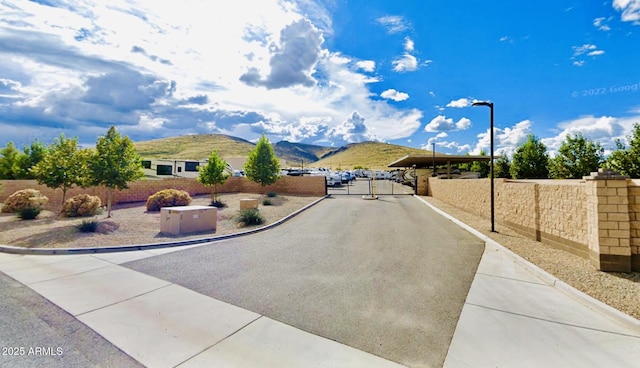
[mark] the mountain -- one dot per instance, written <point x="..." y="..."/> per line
<point x="196" y="146"/>
<point x="297" y="153"/>
<point x="372" y="155"/>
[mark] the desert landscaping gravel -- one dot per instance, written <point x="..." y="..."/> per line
<point x="131" y="224"/>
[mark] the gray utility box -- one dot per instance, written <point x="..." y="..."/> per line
<point x="187" y="219"/>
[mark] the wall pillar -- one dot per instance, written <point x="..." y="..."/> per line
<point x="608" y="226"/>
<point x="423" y="185"/>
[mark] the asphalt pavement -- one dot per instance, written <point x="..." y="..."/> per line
<point x="388" y="277"/>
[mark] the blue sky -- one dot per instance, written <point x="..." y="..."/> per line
<point x="321" y="72"/>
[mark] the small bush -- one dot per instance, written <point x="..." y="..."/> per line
<point x="250" y="217"/>
<point x="272" y="194"/>
<point x="26" y="198"/>
<point x="266" y="202"/>
<point x="28" y="213"/>
<point x="168" y="198"/>
<point x="81" y="205"/>
<point x="88" y="226"/>
<point x="218" y="204"/>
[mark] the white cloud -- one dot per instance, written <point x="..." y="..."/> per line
<point x="441" y="123"/>
<point x="586" y="49"/>
<point x="444" y="145"/>
<point x="366" y="65"/>
<point x="460" y="103"/>
<point x="630" y="10"/>
<point x="155" y="69"/>
<point x="409" y="45"/>
<point x="601" y="25"/>
<point x="405" y="63"/>
<point x="506" y="39"/>
<point x="294" y="59"/>
<point x="392" y="94"/>
<point x="351" y="130"/>
<point x="394" y="23"/>
<point x="505" y="140"/>
<point x="596" y="53"/>
<point x="463" y="124"/>
<point x="579" y="50"/>
<point x="604" y="130"/>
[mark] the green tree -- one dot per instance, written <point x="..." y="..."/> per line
<point x="625" y="160"/>
<point x="9" y="161"/>
<point x="262" y="165"/>
<point x="62" y="167"/>
<point x="530" y="160"/>
<point x="481" y="167"/>
<point x="465" y="166"/>
<point x="30" y="157"/>
<point x="213" y="173"/>
<point x="577" y="157"/>
<point x="114" y="164"/>
<point x="502" y="166"/>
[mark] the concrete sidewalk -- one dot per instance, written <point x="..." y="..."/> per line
<point x="515" y="315"/>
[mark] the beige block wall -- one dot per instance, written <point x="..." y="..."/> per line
<point x="552" y="211"/>
<point x="563" y="210"/>
<point x="140" y="190"/>
<point x="633" y="191"/>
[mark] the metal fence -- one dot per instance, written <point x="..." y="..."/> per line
<point x="365" y="186"/>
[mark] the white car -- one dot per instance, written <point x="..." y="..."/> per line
<point x="333" y="179"/>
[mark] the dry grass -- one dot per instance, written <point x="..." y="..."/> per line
<point x="197" y="146"/>
<point x="372" y="155"/>
<point x="131" y="224"/>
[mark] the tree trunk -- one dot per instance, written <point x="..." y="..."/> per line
<point x="108" y="202"/>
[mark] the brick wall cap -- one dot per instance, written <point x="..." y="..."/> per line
<point x="605" y="174"/>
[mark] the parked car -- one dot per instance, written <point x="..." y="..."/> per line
<point x="346" y="177"/>
<point x="333" y="179"/>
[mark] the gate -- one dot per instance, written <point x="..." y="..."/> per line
<point x="368" y="186"/>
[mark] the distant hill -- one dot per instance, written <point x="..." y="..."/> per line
<point x="197" y="146"/>
<point x="372" y="155"/>
<point x="299" y="153"/>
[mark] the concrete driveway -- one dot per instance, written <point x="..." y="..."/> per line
<point x="386" y="276"/>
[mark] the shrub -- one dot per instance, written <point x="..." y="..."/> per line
<point x="81" y="205"/>
<point x="88" y="226"/>
<point x="28" y="213"/>
<point x="266" y="202"/>
<point x="272" y="194"/>
<point x="218" y="204"/>
<point x="168" y="198"/>
<point x="250" y="217"/>
<point x="26" y="198"/>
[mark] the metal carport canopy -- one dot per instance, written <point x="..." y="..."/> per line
<point x="427" y="160"/>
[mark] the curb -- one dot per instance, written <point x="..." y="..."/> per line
<point x="129" y="248"/>
<point x="562" y="286"/>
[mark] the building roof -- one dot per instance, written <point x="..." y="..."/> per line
<point x="427" y="160"/>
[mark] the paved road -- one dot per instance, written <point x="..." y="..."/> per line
<point x="36" y="333"/>
<point x="386" y="276"/>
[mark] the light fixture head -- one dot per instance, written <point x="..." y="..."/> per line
<point x="482" y="103"/>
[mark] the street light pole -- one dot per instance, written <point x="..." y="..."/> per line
<point x="490" y="104"/>
<point x="433" y="151"/>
